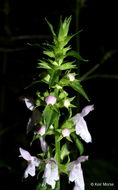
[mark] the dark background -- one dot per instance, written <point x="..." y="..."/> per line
<point x="23" y="22"/>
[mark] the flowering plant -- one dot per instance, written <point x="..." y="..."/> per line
<point x="52" y="115"/>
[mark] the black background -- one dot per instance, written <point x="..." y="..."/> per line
<point x="23" y="22"/>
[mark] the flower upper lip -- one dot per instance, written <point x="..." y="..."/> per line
<point x="81" y="125"/>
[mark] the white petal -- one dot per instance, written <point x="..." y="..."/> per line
<point x="35" y="161"/>
<point x="75" y="118"/>
<point x="80" y="181"/>
<point x="86" y="110"/>
<point x="74" y="173"/>
<point x="25" y="154"/>
<point x="55" y="172"/>
<point x="82" y="130"/>
<point x="51" y="174"/>
<point x="30" y="170"/>
<point x="29" y="104"/>
<point x="76" y="187"/>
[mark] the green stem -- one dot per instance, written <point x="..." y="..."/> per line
<point x="57" y="153"/>
<point x="57" y="149"/>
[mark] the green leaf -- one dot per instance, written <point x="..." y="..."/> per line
<point x="40" y="187"/>
<point x="54" y="78"/>
<point x="64" y="151"/>
<point x="50" y="115"/>
<point x="79" y="145"/>
<point x="35" y="45"/>
<point x="51" y="27"/>
<point x="78" y="87"/>
<point x="69" y="138"/>
<point x="76" y="55"/>
<point x="64" y="28"/>
<point x="33" y="83"/>
<point x="63" y="168"/>
<point x="60" y="137"/>
<point x="41" y="155"/>
<point x="64" y="82"/>
<point x="35" y="137"/>
<point x="68" y="65"/>
<point x="49" y="53"/>
<point x="68" y="124"/>
<point x="43" y="65"/>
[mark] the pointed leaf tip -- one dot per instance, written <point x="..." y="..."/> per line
<point x="51" y="27"/>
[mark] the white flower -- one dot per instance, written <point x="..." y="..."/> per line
<point x="51" y="173"/>
<point x="71" y="77"/>
<point x="32" y="162"/>
<point x="44" y="145"/>
<point x="65" y="132"/>
<point x="50" y="100"/>
<point x="76" y="173"/>
<point x="66" y="103"/>
<point x="80" y="124"/>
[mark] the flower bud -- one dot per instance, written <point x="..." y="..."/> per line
<point x="41" y="130"/>
<point x="50" y="100"/>
<point x="65" y="132"/>
<point x="71" y="77"/>
<point x="66" y="103"/>
<point x="51" y="127"/>
<point x="58" y="86"/>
